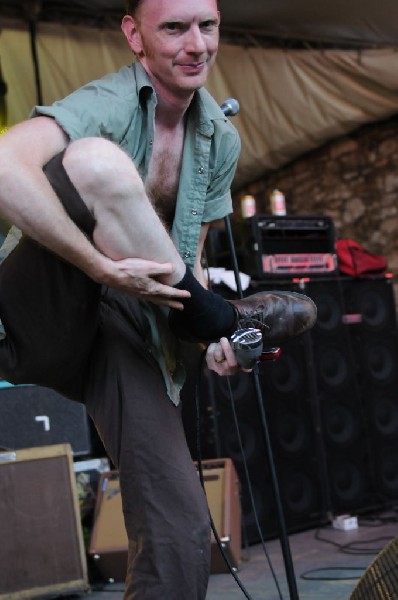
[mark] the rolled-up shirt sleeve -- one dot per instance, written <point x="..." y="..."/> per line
<point x="218" y="199"/>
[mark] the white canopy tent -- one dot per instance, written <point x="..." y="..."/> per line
<point x="303" y="71"/>
<point x="363" y="23"/>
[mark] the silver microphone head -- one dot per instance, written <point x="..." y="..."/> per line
<point x="230" y="107"/>
<point x="248" y="338"/>
<point x="248" y="345"/>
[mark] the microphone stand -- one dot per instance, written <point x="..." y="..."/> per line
<point x="284" y="540"/>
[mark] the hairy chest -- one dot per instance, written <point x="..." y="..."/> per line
<point x="164" y="174"/>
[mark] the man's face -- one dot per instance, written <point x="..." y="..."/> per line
<point x="176" y="41"/>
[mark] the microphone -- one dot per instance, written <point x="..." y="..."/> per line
<point x="230" y="107"/>
<point x="247" y="345"/>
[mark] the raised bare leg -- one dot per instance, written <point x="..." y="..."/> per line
<point x="126" y="222"/>
<point x="127" y="226"/>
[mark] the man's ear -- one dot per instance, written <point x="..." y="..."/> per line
<point x="132" y="34"/>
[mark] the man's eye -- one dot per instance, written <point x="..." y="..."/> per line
<point x="208" y="26"/>
<point x="173" y="27"/>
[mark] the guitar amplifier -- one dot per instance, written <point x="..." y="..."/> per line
<point x="222" y="489"/>
<point x="33" y="416"/>
<point x="109" y="543"/>
<point x="42" y="551"/>
<point x="288" y="246"/>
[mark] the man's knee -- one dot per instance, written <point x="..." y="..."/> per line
<point x="100" y="170"/>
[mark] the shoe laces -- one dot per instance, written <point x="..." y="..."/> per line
<point x="255" y="321"/>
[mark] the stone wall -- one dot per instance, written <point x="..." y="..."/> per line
<point x="353" y="180"/>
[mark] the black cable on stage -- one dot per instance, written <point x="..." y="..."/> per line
<point x="377" y="520"/>
<point x="291" y="580"/>
<point x="350" y="548"/>
<point x="283" y="537"/>
<point x="200" y="471"/>
<point x="250" y="490"/>
<point x="307" y="575"/>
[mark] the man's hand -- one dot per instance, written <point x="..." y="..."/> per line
<point x="220" y="358"/>
<point x="139" y="277"/>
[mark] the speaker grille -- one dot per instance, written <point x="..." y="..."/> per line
<point x="331" y="406"/>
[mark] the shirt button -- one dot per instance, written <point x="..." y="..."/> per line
<point x="150" y="142"/>
<point x="194" y="212"/>
<point x="201" y="170"/>
<point x="187" y="254"/>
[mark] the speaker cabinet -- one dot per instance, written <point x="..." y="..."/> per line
<point x="331" y="406"/>
<point x="32" y="415"/>
<point x="109" y="543"/>
<point x="286" y="395"/>
<point x="356" y="347"/>
<point x="41" y="551"/>
<point x="223" y="496"/>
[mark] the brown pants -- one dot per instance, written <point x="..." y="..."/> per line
<point x="65" y="332"/>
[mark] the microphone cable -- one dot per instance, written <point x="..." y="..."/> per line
<point x="219" y="542"/>
<point x="205" y="266"/>
<point x="284" y="540"/>
<point x="250" y="490"/>
<point x="231" y="569"/>
<point x="230" y="108"/>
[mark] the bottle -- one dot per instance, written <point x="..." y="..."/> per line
<point x="248" y="206"/>
<point x="278" y="203"/>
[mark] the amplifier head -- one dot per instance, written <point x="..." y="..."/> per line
<point x="282" y="245"/>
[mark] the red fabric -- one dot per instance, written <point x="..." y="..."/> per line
<point x="356" y="261"/>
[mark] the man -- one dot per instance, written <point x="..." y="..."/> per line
<point x="85" y="296"/>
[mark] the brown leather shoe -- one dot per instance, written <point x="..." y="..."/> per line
<point x="278" y="315"/>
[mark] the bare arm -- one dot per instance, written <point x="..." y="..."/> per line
<point x="28" y="200"/>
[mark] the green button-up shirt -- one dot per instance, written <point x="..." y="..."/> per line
<point x="121" y="107"/>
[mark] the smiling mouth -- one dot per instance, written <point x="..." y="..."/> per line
<point x="193" y="66"/>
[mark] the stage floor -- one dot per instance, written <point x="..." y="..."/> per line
<point x="327" y="564"/>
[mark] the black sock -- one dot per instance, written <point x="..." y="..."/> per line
<point x="206" y="315"/>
